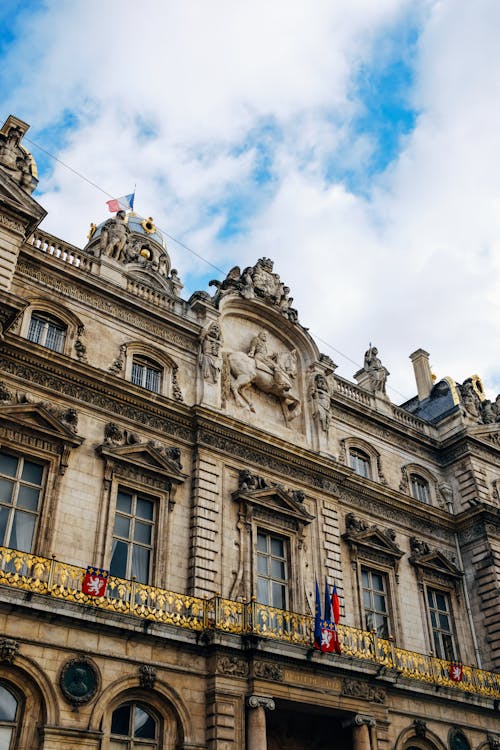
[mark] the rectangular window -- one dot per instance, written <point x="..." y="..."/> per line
<point x="146" y="375"/>
<point x="441" y="625"/>
<point x="272" y="570"/>
<point x="360" y="463"/>
<point x="375" y="602"/>
<point x="133" y="536"/>
<point x="420" y="488"/>
<point x="21" y="481"/>
<point x="47" y="332"/>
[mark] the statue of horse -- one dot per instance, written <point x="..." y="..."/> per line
<point x="240" y="372"/>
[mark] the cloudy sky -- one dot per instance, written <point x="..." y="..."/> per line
<point x="357" y="143"/>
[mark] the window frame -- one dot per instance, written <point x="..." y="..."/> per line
<point x="148" y="366"/>
<point x="129" y="742"/>
<point x="446" y="593"/>
<point x="139" y="352"/>
<point x="47" y="321"/>
<point x="42" y="307"/>
<point x="411" y="470"/>
<point x="284" y="583"/>
<point x="374" y="592"/>
<point x="16" y="725"/>
<point x="420" y="486"/>
<point x="360" y="446"/>
<point x="13" y="506"/>
<point x="135" y="494"/>
<point x="357" y="457"/>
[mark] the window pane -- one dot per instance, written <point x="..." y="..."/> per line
<point x="4" y="518"/>
<point x="379" y="602"/>
<point x="5" y="737"/>
<point x="367" y="599"/>
<point x="8" y="464"/>
<point x="6" y="489"/>
<point x="279" y="598"/>
<point x="262" y="542"/>
<point x="137" y="373"/>
<point x="262" y="591"/>
<point x="262" y="565"/>
<point x="28" y="497"/>
<point x="120" y="721"/>
<point x="278" y="569"/>
<point x="365" y="578"/>
<point x="277" y="547"/>
<point x="122" y="526"/>
<point x="142" y="532"/>
<point x="8" y="705"/>
<point x="118" y="565"/>
<point x="55" y="338"/>
<point x="21" y="535"/>
<point x="35" y="330"/>
<point x="441" y="602"/>
<point x="377" y="582"/>
<point x="140" y="563"/>
<point x="32" y="473"/>
<point x="124" y="502"/>
<point x="144" y="724"/>
<point x="145" y="508"/>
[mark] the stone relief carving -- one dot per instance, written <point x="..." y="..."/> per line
<point x="67" y="416"/>
<point x="493" y="741"/>
<point x="16" y="159"/>
<point x="418" y="546"/>
<point x="363" y="690"/>
<point x="268" y="671"/>
<point x="9" y="649"/>
<point x="209" y="359"/>
<point x="260" y="282"/>
<point x="355" y="525"/>
<point x="231" y="665"/>
<point x="420" y="727"/>
<point x="376" y="372"/>
<point x="116" y="436"/>
<point x="147" y="676"/>
<point x="272" y="373"/>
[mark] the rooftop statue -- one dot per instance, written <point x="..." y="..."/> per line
<point x="376" y="370"/>
<point x="14" y="157"/>
<point x="114" y="236"/>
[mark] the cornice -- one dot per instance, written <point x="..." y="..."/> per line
<point x="113" y="301"/>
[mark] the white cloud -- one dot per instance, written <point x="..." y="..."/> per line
<point x="415" y="264"/>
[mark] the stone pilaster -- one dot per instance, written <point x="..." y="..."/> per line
<point x="362" y="732"/>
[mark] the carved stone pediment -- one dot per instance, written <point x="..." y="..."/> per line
<point x="433" y="561"/>
<point x="277" y="501"/>
<point x="371" y="542"/>
<point x="143" y="458"/>
<point x="488" y="433"/>
<point x="34" y="423"/>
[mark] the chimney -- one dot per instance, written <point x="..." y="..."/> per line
<point x="423" y="375"/>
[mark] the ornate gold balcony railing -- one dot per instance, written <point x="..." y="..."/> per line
<point x="22" y="570"/>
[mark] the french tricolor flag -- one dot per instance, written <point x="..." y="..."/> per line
<point x="125" y="203"/>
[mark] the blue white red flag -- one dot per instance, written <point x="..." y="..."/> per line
<point x="335" y="605"/>
<point x="125" y="203"/>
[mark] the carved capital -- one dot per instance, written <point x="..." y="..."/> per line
<point x="361" y="719"/>
<point x="261" y="701"/>
<point x="9" y="648"/>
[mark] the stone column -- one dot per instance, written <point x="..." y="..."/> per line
<point x="256" y="722"/>
<point x="361" y="724"/>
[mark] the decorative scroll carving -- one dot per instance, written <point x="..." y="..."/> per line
<point x="119" y="362"/>
<point x="147" y="676"/>
<point x="248" y="482"/>
<point x="80" y="348"/>
<point x="261" y="701"/>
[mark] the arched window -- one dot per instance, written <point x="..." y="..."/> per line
<point x="134" y="727"/>
<point x="48" y="331"/>
<point x="359" y="462"/>
<point x="147" y="374"/>
<point x="420" y="488"/>
<point x="9" y="718"/>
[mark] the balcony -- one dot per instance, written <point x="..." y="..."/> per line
<point x="51" y="578"/>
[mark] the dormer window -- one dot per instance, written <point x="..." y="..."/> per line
<point x="147" y="374"/>
<point x="47" y="331"/>
<point x="420" y="488"/>
<point x="359" y="462"/>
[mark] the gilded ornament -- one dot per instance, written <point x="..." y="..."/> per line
<point x="148" y="225"/>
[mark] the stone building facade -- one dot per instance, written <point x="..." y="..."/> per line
<point x="204" y="453"/>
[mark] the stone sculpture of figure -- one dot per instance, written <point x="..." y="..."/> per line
<point x="321" y="401"/>
<point x="496" y="407"/>
<point x="209" y="358"/>
<point x="114" y="236"/>
<point x="470" y="399"/>
<point x="488" y="412"/>
<point x="247" y="289"/>
<point x="9" y="148"/>
<point x="376" y="370"/>
<point x="258" y="350"/>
